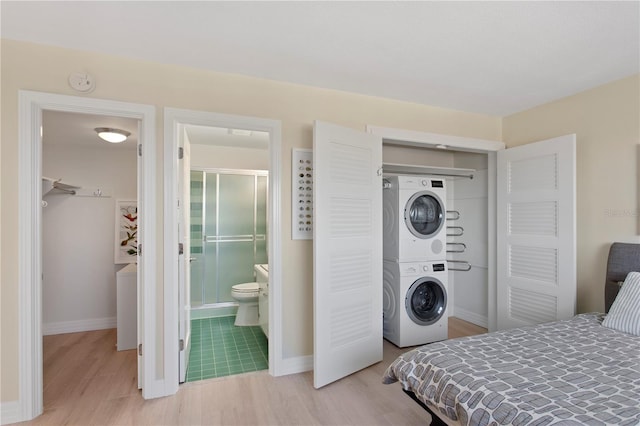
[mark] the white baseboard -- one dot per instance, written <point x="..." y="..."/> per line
<point x="471" y="317"/>
<point x="10" y="412"/>
<point x="79" y="325"/>
<point x="213" y="312"/>
<point x="295" y="365"/>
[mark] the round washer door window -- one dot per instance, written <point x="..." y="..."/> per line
<point x="426" y="301"/>
<point x="424" y="215"/>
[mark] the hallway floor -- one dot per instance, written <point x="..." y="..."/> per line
<point x="218" y="348"/>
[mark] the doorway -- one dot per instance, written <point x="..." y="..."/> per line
<point x="84" y="177"/>
<point x="176" y="261"/>
<point x="32" y="105"/>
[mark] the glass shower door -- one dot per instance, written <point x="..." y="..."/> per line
<point x="236" y="230"/>
<point x="228" y="232"/>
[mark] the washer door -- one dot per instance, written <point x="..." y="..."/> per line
<point x="426" y="301"/>
<point x="424" y="214"/>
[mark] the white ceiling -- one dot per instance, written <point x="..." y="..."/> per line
<point x="78" y="130"/>
<point x="494" y="58"/>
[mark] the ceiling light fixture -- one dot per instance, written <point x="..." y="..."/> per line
<point x="112" y="135"/>
<point x="441" y="146"/>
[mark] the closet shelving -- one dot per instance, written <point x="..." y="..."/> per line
<point x="50" y="186"/>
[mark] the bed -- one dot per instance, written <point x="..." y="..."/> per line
<point x="571" y="372"/>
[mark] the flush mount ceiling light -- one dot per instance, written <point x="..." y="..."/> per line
<point x="112" y="135"/>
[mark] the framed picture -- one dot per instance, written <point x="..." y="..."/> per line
<point x="126" y="241"/>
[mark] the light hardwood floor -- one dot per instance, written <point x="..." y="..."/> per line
<point x="87" y="382"/>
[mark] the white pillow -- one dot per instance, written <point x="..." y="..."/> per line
<point x="624" y="314"/>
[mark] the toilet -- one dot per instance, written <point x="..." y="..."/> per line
<point x="247" y="297"/>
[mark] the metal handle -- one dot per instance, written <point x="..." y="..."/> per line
<point x="191" y="259"/>
<point x="457" y="231"/>
<point x="458" y="250"/>
<point x="454" y="213"/>
<point x="466" y="266"/>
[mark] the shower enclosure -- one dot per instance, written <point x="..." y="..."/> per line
<point x="228" y="232"/>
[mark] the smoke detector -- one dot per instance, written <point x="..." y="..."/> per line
<point x="82" y="82"/>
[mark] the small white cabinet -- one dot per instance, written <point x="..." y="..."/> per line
<point x="127" y="309"/>
<point x="262" y="277"/>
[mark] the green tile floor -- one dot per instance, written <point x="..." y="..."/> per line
<point x="218" y="348"/>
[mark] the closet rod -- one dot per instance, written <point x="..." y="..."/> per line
<point x="410" y="169"/>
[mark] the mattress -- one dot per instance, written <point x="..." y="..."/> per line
<point x="572" y="372"/>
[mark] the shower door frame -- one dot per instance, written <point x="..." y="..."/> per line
<point x="219" y="171"/>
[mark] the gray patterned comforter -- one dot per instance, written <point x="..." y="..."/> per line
<point x="573" y="372"/>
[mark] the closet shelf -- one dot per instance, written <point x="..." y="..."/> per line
<point x="409" y="169"/>
<point x="49" y="184"/>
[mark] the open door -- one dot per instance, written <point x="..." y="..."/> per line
<point x="184" y="257"/>
<point x="536" y="232"/>
<point x="347" y="285"/>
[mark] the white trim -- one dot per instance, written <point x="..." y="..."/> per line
<point x="296" y="365"/>
<point x="30" y="107"/>
<point x="392" y="136"/>
<point x="91" y="324"/>
<point x="10" y="412"/>
<point x="492" y="242"/>
<point x="213" y="312"/>
<point x="174" y="119"/>
<point x="471" y="317"/>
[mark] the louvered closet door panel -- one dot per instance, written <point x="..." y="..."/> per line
<point x="347" y="252"/>
<point x="536" y="232"/>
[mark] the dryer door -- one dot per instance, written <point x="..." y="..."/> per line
<point x="426" y="301"/>
<point x="424" y="214"/>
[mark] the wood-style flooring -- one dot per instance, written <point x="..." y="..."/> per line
<point x="88" y="382"/>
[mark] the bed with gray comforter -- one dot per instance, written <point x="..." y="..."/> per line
<point x="571" y="372"/>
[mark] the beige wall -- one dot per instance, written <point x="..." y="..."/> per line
<point x="606" y="121"/>
<point x="46" y="69"/>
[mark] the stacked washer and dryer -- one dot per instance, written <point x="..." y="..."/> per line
<point x="415" y="268"/>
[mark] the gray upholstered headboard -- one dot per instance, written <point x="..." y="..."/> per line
<point x="623" y="258"/>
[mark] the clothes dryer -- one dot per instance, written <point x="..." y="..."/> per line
<point x="414" y="218"/>
<point x="415" y="302"/>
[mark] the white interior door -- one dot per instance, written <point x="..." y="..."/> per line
<point x="536" y="232"/>
<point x="347" y="285"/>
<point x="139" y="274"/>
<point x="184" y="259"/>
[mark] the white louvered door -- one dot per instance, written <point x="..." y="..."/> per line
<point x="347" y="285"/>
<point x="536" y="227"/>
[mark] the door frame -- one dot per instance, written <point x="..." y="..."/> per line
<point x="412" y="138"/>
<point x="174" y="119"/>
<point x="31" y="106"/>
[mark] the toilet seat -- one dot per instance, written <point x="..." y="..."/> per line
<point x="246" y="288"/>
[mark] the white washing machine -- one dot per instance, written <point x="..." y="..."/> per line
<point x="415" y="302"/>
<point x="414" y="218"/>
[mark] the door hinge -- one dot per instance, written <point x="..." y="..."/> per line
<point x="140" y="249"/>
<point x="181" y="344"/>
<point x="180" y="248"/>
<point x="180" y="153"/>
<point x="140" y="349"/>
<point x="139" y="150"/>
